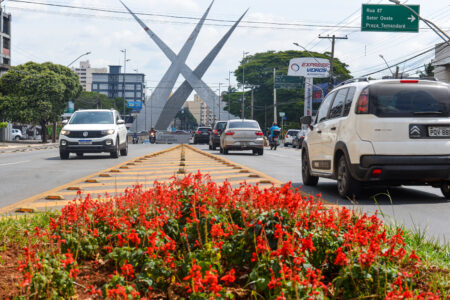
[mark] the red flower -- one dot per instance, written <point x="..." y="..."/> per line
<point x="229" y="278"/>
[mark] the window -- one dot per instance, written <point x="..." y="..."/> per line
<point x="409" y="100"/>
<point x="129" y="94"/>
<point x="103" y="86"/>
<point x="129" y="87"/>
<point x="92" y="117"/>
<point x="338" y="104"/>
<point x="324" y="107"/>
<point x="244" y="124"/>
<point x="100" y="77"/>
<point x="348" y="100"/>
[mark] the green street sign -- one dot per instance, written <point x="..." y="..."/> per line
<point x="288" y="82"/>
<point x="389" y="18"/>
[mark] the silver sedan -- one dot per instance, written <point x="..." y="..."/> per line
<point x="242" y="135"/>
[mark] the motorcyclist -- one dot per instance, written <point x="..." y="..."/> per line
<point x="273" y="128"/>
<point x="152" y="133"/>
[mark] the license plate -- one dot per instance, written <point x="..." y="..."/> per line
<point x="244" y="144"/>
<point x="204" y="133"/>
<point x="434" y="131"/>
<point x="85" y="142"/>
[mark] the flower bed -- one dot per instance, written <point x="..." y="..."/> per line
<point x="197" y="240"/>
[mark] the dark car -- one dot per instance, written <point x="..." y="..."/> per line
<point x="298" y="139"/>
<point x="201" y="135"/>
<point x="214" y="138"/>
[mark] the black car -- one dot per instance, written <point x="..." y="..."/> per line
<point x="298" y="139"/>
<point x="201" y="135"/>
<point x="214" y="138"/>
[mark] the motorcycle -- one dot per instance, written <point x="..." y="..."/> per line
<point x="275" y="140"/>
<point x="135" y="139"/>
<point x="152" y="137"/>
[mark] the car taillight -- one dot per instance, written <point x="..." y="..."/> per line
<point x="287" y="136"/>
<point x="229" y="133"/>
<point x="362" y="106"/>
<point x="197" y="132"/>
<point x="303" y="136"/>
<point x="259" y="133"/>
<point x="216" y="132"/>
<point x="409" y="81"/>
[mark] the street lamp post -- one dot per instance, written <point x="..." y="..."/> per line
<point x="84" y="54"/>
<point x="124" y="51"/>
<point x="229" y="91"/>
<point x="382" y="57"/>
<point x="243" y="84"/>
<point x="430" y="24"/>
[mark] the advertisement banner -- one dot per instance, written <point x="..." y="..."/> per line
<point x="309" y="67"/>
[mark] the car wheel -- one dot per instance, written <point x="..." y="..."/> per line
<point x="254" y="151"/>
<point x="285" y="144"/>
<point x="115" y="153"/>
<point x="209" y="147"/>
<point x="220" y="150"/>
<point x="17" y="138"/>
<point x="80" y="154"/>
<point x="64" y="154"/>
<point x="124" y="150"/>
<point x="225" y="151"/>
<point x="261" y="151"/>
<point x="308" y="179"/>
<point x="445" y="189"/>
<point x="213" y="147"/>
<point x="347" y="186"/>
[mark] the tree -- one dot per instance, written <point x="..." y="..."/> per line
<point x="259" y="73"/>
<point x="428" y="71"/>
<point x="37" y="93"/>
<point x="91" y="100"/>
<point x="187" y="119"/>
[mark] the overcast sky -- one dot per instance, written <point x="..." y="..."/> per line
<point x="48" y="33"/>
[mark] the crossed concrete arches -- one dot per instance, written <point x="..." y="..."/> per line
<point x="165" y="106"/>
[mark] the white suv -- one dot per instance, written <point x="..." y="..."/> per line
<point x="391" y="132"/>
<point x="94" y="131"/>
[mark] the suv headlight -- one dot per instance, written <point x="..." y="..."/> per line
<point x="108" y="132"/>
<point x="65" y="132"/>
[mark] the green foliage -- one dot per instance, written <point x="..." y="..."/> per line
<point x="37" y="93"/>
<point x="187" y="119"/>
<point x="92" y="100"/>
<point x="3" y="125"/>
<point x="259" y="73"/>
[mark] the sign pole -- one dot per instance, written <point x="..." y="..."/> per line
<point x="274" y="98"/>
<point x="309" y="82"/>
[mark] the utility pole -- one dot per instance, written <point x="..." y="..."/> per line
<point x="251" y="105"/>
<point x="274" y="98"/>
<point x="333" y="39"/>
<point x="243" y="86"/>
<point x="220" y="98"/>
<point x="229" y="91"/>
<point x="397" y="69"/>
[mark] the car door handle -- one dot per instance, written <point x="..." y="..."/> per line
<point x="333" y="128"/>
<point x="319" y="131"/>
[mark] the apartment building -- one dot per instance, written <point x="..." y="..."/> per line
<point x="85" y="71"/>
<point x="5" y="41"/>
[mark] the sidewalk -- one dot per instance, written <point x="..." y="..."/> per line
<point x="25" y="145"/>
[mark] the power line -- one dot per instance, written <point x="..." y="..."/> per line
<point x="293" y="26"/>
<point x="393" y="65"/>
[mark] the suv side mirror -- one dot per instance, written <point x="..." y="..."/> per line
<point x="307" y="120"/>
<point x="64" y="122"/>
<point x="120" y="122"/>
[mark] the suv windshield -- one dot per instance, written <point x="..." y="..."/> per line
<point x="293" y="132"/>
<point x="244" y="124"/>
<point x="409" y="100"/>
<point x="92" y="117"/>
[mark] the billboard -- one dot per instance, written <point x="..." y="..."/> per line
<point x="309" y="67"/>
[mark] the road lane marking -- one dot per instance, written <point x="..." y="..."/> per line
<point x="15" y="163"/>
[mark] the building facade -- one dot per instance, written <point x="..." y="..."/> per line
<point x="85" y="71"/>
<point x="5" y="42"/>
<point x="441" y="62"/>
<point x="115" y="84"/>
<point x="200" y="111"/>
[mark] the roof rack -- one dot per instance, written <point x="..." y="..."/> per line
<point x="360" y="79"/>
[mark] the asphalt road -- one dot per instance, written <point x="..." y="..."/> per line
<point x="418" y="208"/>
<point x="25" y="174"/>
